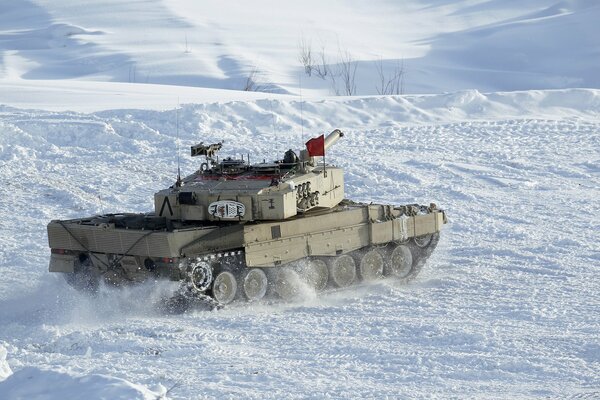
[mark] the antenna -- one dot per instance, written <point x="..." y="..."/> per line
<point x="101" y="204"/>
<point x="178" y="181"/>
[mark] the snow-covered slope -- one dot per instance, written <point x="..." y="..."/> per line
<point x="34" y="383"/>
<point x="439" y="45"/>
<point x="508" y="305"/>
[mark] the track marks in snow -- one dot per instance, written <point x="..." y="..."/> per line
<point x="506" y="305"/>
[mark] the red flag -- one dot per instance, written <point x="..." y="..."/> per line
<point x="316" y="146"/>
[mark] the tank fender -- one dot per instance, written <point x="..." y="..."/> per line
<point x="219" y="239"/>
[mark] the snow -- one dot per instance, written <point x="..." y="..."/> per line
<point x="67" y="49"/>
<point x="5" y="370"/>
<point x="501" y="128"/>
<point x="33" y="383"/>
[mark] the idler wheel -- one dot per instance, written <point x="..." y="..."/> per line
<point x="315" y="273"/>
<point x="255" y="284"/>
<point x="342" y="270"/>
<point x="400" y="262"/>
<point x="287" y="283"/>
<point x="371" y="265"/>
<point x="224" y="287"/>
<point x="423" y="241"/>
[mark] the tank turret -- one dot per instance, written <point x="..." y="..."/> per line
<point x="235" y="190"/>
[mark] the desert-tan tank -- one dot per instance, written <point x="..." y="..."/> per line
<point x="235" y="230"/>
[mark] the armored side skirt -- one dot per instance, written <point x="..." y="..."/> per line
<point x="270" y="244"/>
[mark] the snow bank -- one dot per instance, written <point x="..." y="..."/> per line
<point x="32" y="383"/>
<point x="5" y="370"/>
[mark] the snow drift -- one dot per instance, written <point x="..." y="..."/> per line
<point x="35" y="383"/>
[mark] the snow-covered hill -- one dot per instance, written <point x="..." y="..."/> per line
<point x="508" y="305"/>
<point x="438" y="46"/>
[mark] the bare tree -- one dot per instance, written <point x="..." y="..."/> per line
<point x="333" y="75"/>
<point x="311" y="63"/>
<point x="187" y="49"/>
<point x="383" y="85"/>
<point x="305" y="55"/>
<point x="132" y="73"/>
<point x="253" y="81"/>
<point x="348" y="72"/>
<point x="322" y="67"/>
<point x="401" y="73"/>
<point x="393" y="83"/>
<point x="341" y="74"/>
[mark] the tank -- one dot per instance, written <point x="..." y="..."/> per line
<point x="235" y="230"/>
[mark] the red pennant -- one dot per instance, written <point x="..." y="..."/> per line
<point x="316" y="146"/>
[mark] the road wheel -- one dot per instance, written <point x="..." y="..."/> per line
<point x="224" y="287"/>
<point x="315" y="273"/>
<point x="254" y="284"/>
<point x="400" y="262"/>
<point x="287" y="283"/>
<point x="371" y="265"/>
<point x="342" y="270"/>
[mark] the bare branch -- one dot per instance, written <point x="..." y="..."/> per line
<point x="305" y="55"/>
<point x="253" y="81"/>
<point x="394" y="84"/>
<point x="401" y="73"/>
<point x="333" y="78"/>
<point x="379" y="67"/>
<point x="322" y="68"/>
<point x="348" y="72"/>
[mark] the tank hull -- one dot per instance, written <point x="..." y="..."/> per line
<point x="127" y="248"/>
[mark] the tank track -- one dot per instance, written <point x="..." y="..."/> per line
<point x="212" y="281"/>
<point x="277" y="287"/>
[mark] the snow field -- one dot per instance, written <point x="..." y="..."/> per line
<point x="506" y="306"/>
